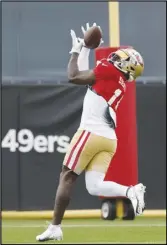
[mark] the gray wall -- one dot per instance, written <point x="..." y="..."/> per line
<point x="38" y="34"/>
<point x="27" y="176"/>
<point x="143" y="25"/>
<point x="36" y="39"/>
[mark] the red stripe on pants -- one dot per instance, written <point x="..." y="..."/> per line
<point x="73" y="149"/>
<point x="80" y="150"/>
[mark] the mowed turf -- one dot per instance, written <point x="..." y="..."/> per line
<point x="97" y="231"/>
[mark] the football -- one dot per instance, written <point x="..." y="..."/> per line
<point x="93" y="37"/>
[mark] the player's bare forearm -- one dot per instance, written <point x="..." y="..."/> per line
<point x="73" y="66"/>
<point x="79" y="77"/>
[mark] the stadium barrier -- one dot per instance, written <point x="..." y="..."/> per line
<point x="34" y="111"/>
<point x="70" y="214"/>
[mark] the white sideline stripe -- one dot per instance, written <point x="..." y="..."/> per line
<point x="87" y="225"/>
<point x="105" y="242"/>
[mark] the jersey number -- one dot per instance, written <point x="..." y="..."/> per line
<point x="116" y="94"/>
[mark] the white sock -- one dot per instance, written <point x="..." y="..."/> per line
<point x="83" y="59"/>
<point x="96" y="185"/>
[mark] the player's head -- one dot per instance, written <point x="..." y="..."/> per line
<point x="129" y="61"/>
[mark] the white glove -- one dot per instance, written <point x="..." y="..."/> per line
<point x="88" y="27"/>
<point x="77" y="43"/>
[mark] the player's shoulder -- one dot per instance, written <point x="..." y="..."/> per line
<point x="103" y="66"/>
<point x="103" y="63"/>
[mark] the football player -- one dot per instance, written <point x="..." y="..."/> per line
<point x="94" y="144"/>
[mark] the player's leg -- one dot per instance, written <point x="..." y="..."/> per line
<point x="63" y="194"/>
<point x="80" y="152"/>
<point x="95" y="184"/>
<point x="96" y="171"/>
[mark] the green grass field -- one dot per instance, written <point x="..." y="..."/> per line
<point x="89" y="231"/>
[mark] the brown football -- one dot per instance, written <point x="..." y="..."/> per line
<point x="92" y="37"/>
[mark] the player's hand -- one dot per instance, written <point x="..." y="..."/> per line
<point x="77" y="43"/>
<point x="88" y="27"/>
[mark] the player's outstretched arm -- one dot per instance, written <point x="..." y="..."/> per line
<point x="75" y="76"/>
<point x="83" y="59"/>
<point x="79" y="77"/>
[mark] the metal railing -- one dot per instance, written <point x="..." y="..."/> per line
<point x="57" y="79"/>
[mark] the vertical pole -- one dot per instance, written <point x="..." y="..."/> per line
<point x="114" y="32"/>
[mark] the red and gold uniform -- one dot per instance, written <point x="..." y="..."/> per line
<point x="95" y="142"/>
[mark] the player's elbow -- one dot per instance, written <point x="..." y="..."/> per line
<point x="73" y="79"/>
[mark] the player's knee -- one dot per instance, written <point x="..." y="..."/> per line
<point x="92" y="190"/>
<point x="91" y="184"/>
<point x="67" y="177"/>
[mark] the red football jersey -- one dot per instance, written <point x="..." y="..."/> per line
<point x="110" y="83"/>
